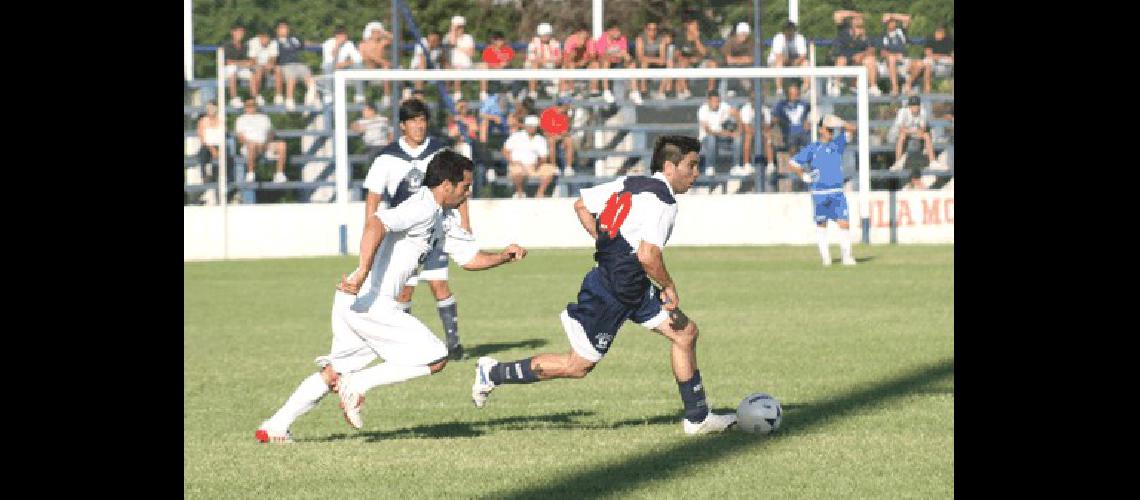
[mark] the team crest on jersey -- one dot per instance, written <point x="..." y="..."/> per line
<point x="415" y="178"/>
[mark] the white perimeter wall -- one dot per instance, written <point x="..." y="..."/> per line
<point x="302" y="230"/>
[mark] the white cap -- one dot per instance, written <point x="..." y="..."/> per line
<point x="374" y="25"/>
<point x="458" y="20"/>
<point x="531" y="121"/>
<point x="545" y="29"/>
<point x="743" y="28"/>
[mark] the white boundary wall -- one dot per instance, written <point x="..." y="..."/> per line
<point x="305" y="230"/>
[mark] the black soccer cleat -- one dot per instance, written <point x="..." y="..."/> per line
<point x="455" y="353"/>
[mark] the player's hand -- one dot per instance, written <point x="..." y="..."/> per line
<point x="810" y="177"/>
<point x="351" y="285"/>
<point x="669" y="298"/>
<point x="514" y="253"/>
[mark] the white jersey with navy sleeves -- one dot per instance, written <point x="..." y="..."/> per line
<point x="650" y="218"/>
<point x="399" y="170"/>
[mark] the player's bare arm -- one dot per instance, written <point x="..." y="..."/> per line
<point x="586" y="218"/>
<point x="487" y="260"/>
<point x="654" y="264"/>
<point x="374" y="232"/>
<point x="464" y="218"/>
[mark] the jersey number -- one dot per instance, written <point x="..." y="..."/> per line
<point x="617" y="208"/>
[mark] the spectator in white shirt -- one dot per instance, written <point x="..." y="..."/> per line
<point x="528" y="157"/>
<point x="543" y="52"/>
<point x="340" y="53"/>
<point x="913" y="127"/>
<point x="254" y="131"/>
<point x="263" y="52"/>
<point x="711" y="118"/>
<point x="462" y="48"/>
<point x="376" y="130"/>
<point x="788" y="49"/>
<point x="375" y="47"/>
<point x="747" y="115"/>
<point x="434" y="56"/>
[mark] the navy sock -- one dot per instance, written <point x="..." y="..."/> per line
<point x="693" y="396"/>
<point x="514" y="372"/>
<point x="449" y="315"/>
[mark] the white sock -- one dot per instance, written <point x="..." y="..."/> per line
<point x="305" y="398"/>
<point x="845" y="242"/>
<point x="405" y="306"/>
<point x="386" y="373"/>
<point x="824" y="251"/>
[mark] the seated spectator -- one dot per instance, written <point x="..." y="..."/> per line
<point x="210" y="135"/>
<point x="565" y="139"/>
<point x="578" y="53"/>
<point x="892" y="46"/>
<point x="462" y="51"/>
<point x="737" y="52"/>
<point x="493" y="116"/>
<point x="289" y="50"/>
<point x="376" y="129"/>
<point x="747" y="116"/>
<point x="791" y="115"/>
<point x="518" y="116"/>
<point x="788" y="49"/>
<point x="526" y="153"/>
<point x="263" y="53"/>
<point x="851" y="47"/>
<point x="433" y="59"/>
<point x="651" y="48"/>
<point x="237" y="61"/>
<point x="913" y="129"/>
<point x="712" y="117"/>
<point x="375" y="47"/>
<point x="938" y="58"/>
<point x="466" y="117"/>
<point x="255" y="133"/>
<point x="692" y="53"/>
<point x="339" y="52"/>
<point x="543" y="52"/>
<point x="499" y="45"/>
<point x="612" y="49"/>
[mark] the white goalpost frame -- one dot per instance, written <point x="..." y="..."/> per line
<point x="340" y="111"/>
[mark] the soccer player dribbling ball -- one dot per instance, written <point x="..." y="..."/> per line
<point x="630" y="220"/>
<point x="825" y="176"/>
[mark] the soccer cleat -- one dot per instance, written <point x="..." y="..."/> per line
<point x="455" y="353"/>
<point x="848" y="260"/>
<point x="712" y="423"/>
<point x="350" y="402"/>
<point x="483" y="385"/>
<point x="264" y="436"/>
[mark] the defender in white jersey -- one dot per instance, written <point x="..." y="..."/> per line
<point x="630" y="220"/>
<point x="397" y="173"/>
<point x="366" y="322"/>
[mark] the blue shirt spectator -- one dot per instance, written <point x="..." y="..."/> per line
<point x="493" y="115"/>
<point x="792" y="114"/>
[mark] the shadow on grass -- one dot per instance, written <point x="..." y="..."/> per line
<point x="861" y="260"/>
<point x="447" y="430"/>
<point x="614" y="479"/>
<point x="488" y="349"/>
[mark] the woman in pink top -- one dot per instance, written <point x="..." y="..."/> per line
<point x="612" y="50"/>
<point x="577" y="54"/>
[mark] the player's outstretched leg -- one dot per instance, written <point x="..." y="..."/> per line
<point x="489" y="373"/>
<point x="448" y="311"/>
<point x="305" y="398"/>
<point x="698" y="419"/>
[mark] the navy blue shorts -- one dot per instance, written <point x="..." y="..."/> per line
<point x="829" y="206"/>
<point x="600" y="316"/>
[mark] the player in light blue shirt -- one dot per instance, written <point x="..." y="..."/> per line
<point x="820" y="164"/>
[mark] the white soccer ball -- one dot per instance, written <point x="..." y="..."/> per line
<point x="759" y="413"/>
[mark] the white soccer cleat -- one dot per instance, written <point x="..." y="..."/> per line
<point x="848" y="260"/>
<point x="264" y="435"/>
<point x="350" y="402"/>
<point x="712" y="423"/>
<point x="481" y="389"/>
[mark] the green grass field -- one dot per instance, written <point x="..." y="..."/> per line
<point x="861" y="358"/>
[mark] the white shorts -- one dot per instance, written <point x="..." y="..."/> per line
<point x="242" y="71"/>
<point x="360" y="336"/>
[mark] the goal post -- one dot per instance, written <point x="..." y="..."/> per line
<point x="342" y="77"/>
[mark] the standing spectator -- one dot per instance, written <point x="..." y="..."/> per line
<point x="374" y="48"/>
<point x="690" y="53"/>
<point x="851" y="47"/>
<point x="651" y="49"/>
<point x="462" y="51"/>
<point x="565" y="139"/>
<point x="289" y="60"/>
<point x="499" y="45"/>
<point x="263" y="53"/>
<point x="543" y="52"/>
<point x="210" y="135"/>
<point x="339" y="52"/>
<point x="237" y="61"/>
<point x="376" y="129"/>
<point x="579" y="54"/>
<point x="738" y="53"/>
<point x="791" y="115"/>
<point x="711" y="118"/>
<point x="255" y="131"/>
<point x="893" y="46"/>
<point x="527" y="157"/>
<point x="493" y="116"/>
<point x="613" y="52"/>
<point x="747" y="115"/>
<point x="462" y="143"/>
<point x="913" y="129"/>
<point x="938" y="58"/>
<point x="788" y="49"/>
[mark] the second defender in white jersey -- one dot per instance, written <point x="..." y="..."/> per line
<point x="366" y="321"/>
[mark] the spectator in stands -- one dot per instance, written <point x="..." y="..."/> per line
<point x="289" y="50"/>
<point x="376" y="130"/>
<point x="913" y="129"/>
<point x="462" y="47"/>
<point x="499" y="45"/>
<point x="493" y="116"/>
<point x="515" y="120"/>
<point x="565" y="139"/>
<point x="263" y="53"/>
<point x="791" y="115"/>
<point x="851" y="47"/>
<point x="938" y="58"/>
<point x="470" y="122"/>
<point x="543" y="52"/>
<point x="578" y="53"/>
<point x="737" y="52"/>
<point x="527" y="157"/>
<point x="892" y="46"/>
<point x="692" y="53"/>
<point x="210" y="135"/>
<point x="339" y="52"/>
<point x="747" y="116"/>
<point x="788" y="49"/>
<point x="651" y="48"/>
<point x="712" y="117"/>
<point x="434" y="57"/>
<point x="237" y="61"/>
<point x="255" y="132"/>
<point x="612" y="49"/>
<point x="375" y="46"/>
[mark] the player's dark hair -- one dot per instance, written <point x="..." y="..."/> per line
<point x="672" y="148"/>
<point x="447" y="165"/>
<point x="412" y="108"/>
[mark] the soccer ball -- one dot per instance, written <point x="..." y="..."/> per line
<point x="759" y="413"/>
